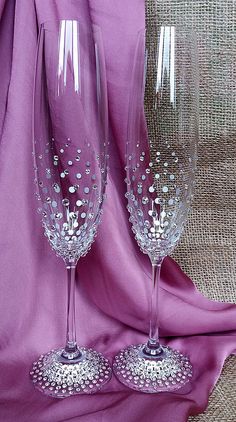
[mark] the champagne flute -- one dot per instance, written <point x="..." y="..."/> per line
<point x="161" y="161"/>
<point x="70" y="126"/>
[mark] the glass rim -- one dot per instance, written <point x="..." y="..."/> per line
<point x="49" y="25"/>
<point x="188" y="30"/>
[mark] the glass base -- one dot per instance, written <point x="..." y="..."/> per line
<point x="56" y="376"/>
<point x="168" y="371"/>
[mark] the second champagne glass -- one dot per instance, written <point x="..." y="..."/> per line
<point x="70" y="127"/>
<point x="161" y="160"/>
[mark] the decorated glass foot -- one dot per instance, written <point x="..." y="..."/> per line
<point x="169" y="370"/>
<point x="57" y="376"/>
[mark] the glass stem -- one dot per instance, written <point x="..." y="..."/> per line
<point x="153" y="347"/>
<point x="71" y="350"/>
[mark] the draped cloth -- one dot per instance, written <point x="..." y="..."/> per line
<point x="114" y="279"/>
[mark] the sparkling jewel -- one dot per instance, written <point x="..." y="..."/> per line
<point x="145" y="200"/>
<point x="65" y="202"/>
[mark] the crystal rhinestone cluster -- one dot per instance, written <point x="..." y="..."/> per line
<point x="59" y="379"/>
<point x="171" y="372"/>
<point x="157" y="193"/>
<point x="71" y="190"/>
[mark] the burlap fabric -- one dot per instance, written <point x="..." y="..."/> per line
<point x="222" y="403"/>
<point x="207" y="248"/>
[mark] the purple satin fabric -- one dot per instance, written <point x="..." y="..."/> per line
<point x="113" y="283"/>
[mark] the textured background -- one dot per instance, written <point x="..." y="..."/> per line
<point x="207" y="249"/>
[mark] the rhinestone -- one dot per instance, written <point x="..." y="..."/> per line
<point x="145" y="200"/>
<point x="72" y="189"/>
<point x="65" y="202"/>
<point x="56" y="188"/>
<point x="72" y="215"/>
<point x="78" y="176"/>
<point x="165" y="189"/>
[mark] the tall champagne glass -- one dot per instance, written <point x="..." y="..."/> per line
<point x="70" y="158"/>
<point x="161" y="160"/>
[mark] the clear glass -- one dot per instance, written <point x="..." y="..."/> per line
<point x="70" y="129"/>
<point x="161" y="162"/>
